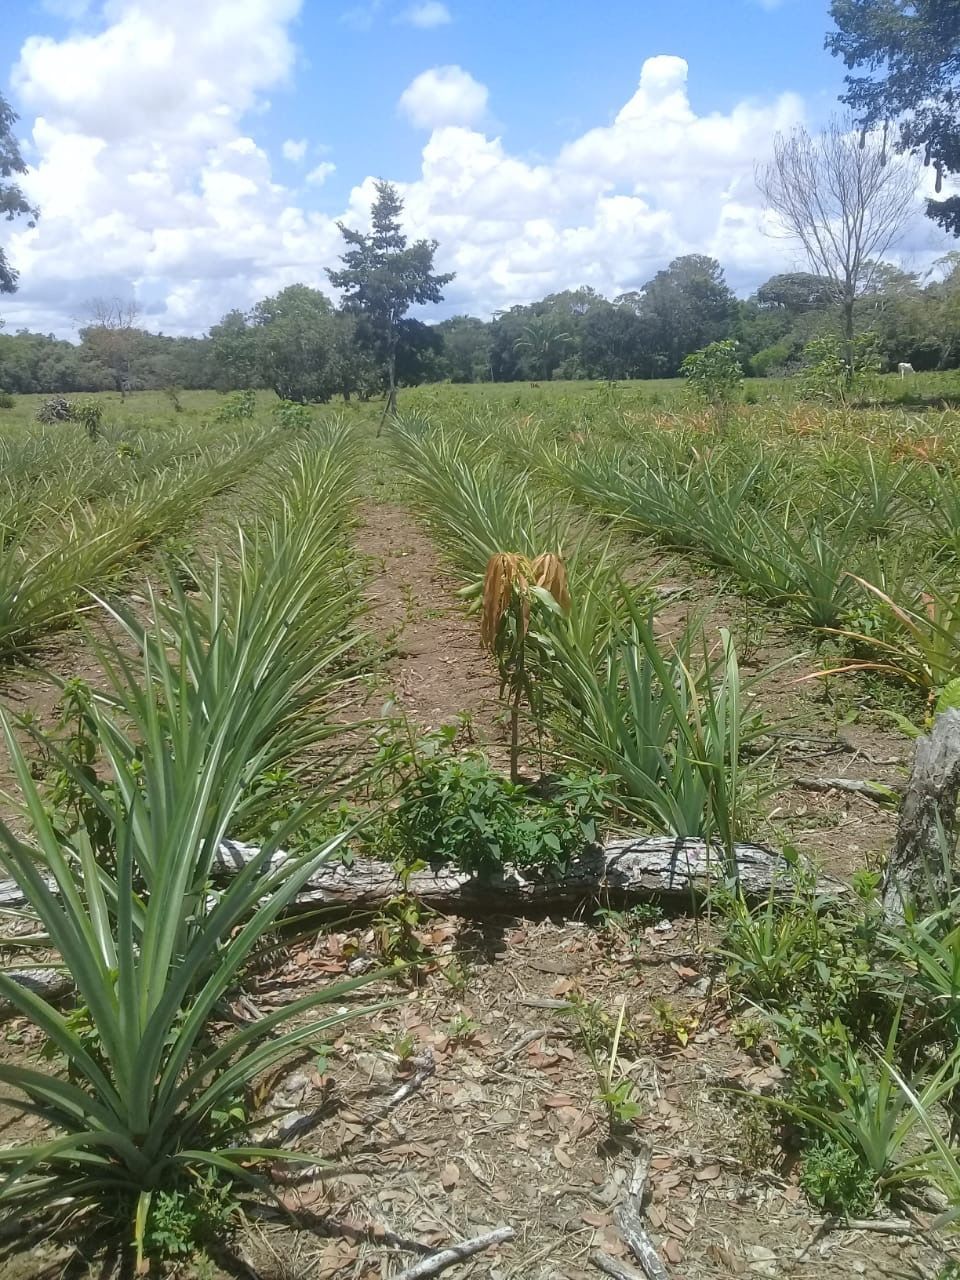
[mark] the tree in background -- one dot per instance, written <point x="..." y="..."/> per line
<point x="613" y="340"/>
<point x="795" y="292"/>
<point x="13" y="203"/>
<point x="382" y="278"/>
<point x="912" y="52"/>
<point x="113" y="336"/>
<point x="234" y="346"/>
<point x="687" y="306"/>
<point x="466" y="349"/>
<point x="295" y="343"/>
<point x="836" y="194"/>
<point x="544" y="342"/>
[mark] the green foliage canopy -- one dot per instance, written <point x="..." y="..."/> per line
<point x="13" y="202"/>
<point x="910" y="50"/>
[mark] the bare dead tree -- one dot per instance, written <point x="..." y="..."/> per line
<point x="111" y="334"/>
<point x="845" y="200"/>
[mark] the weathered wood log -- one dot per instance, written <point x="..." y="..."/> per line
<point x="921" y="867"/>
<point x="674" y="871"/>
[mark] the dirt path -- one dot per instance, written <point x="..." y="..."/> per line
<point x="433" y="661"/>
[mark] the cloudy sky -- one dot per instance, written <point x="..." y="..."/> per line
<point x="196" y="154"/>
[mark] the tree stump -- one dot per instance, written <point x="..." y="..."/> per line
<point x="920" y="871"/>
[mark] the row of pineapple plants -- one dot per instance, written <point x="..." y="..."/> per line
<point x="204" y="693"/>
<point x="666" y="721"/>
<point x="841" y="534"/>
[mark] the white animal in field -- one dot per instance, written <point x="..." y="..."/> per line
<point x="904" y="368"/>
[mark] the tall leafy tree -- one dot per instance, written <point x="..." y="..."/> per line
<point x="910" y="53"/>
<point x="234" y="346"/>
<point x="113" y="338"/>
<point x="544" y="342"/>
<point x="296" y="342"/>
<point x="687" y="305"/>
<point x="612" y="342"/>
<point x="382" y="277"/>
<point x="13" y="202"/>
<point x="795" y="292"/>
<point x="466" y="349"/>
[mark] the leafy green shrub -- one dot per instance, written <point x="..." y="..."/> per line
<point x="184" y="1220"/>
<point x="6" y="400"/>
<point x="90" y="416"/>
<point x="292" y="416"/>
<point x="456" y="810"/>
<point x="827" y="373"/>
<point x="714" y="374"/>
<point x="239" y="407"/>
<point x="795" y="955"/>
<point x="771" y="360"/>
<point x="835" y="1178"/>
<point x="56" y="409"/>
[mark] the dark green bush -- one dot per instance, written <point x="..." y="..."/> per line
<point x="456" y="810"/>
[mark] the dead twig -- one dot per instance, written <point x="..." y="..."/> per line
<point x="883" y="1226"/>
<point x="878" y="792"/>
<point x="367" y="1232"/>
<point x="529" y="1037"/>
<point x="437" y="1262"/>
<point x="426" y="1065"/>
<point x="619" y="1270"/>
<point x="629" y="1219"/>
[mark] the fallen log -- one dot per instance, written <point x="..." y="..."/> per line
<point x="676" y="871"/>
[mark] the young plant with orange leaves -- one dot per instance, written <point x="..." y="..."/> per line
<point x="514" y="587"/>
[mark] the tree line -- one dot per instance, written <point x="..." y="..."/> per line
<point x="306" y="349"/>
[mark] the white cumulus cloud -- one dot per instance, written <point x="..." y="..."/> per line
<point x="321" y="173"/>
<point x="430" y="14"/>
<point x="294" y="150"/>
<point x="444" y="96"/>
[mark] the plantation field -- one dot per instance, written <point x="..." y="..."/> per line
<point x="522" y="622"/>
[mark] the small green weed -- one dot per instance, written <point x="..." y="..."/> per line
<point x="461" y="1028"/>
<point x="602" y="1036"/>
<point x="395" y="930"/>
<point x="626" y="927"/>
<point x="184" y="1220"/>
<point x="674" y="1026"/>
<point x="456" y="973"/>
<point x="836" y="1179"/>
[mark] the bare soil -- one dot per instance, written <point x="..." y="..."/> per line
<point x="434" y="665"/>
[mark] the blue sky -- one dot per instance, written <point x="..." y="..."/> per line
<point x="197" y="153"/>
